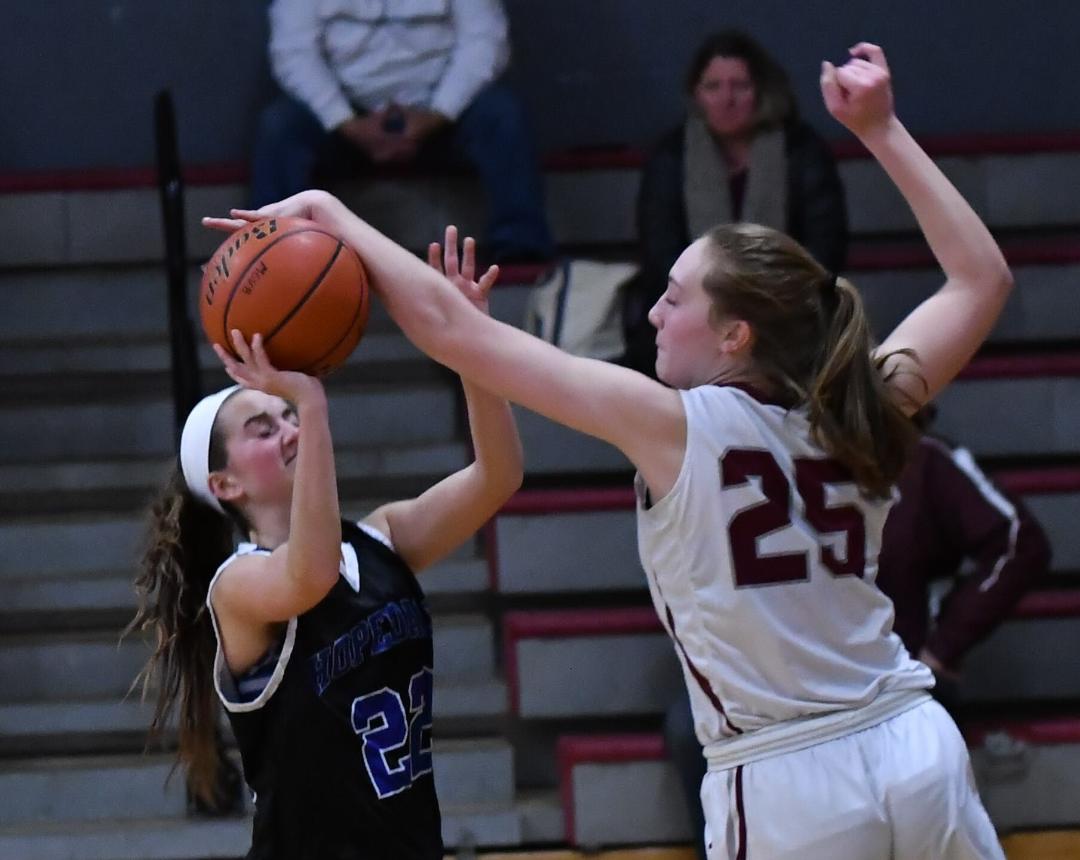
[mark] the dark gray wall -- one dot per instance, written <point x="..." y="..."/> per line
<point x="77" y="77"/>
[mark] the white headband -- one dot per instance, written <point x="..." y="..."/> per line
<point x="195" y="446"/>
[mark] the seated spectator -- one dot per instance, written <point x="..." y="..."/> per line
<point x="742" y="154"/>
<point x="382" y="83"/>
<point x="951" y="526"/>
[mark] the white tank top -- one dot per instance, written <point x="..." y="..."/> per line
<point x="761" y="563"/>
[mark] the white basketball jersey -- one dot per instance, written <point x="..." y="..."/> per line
<point x="761" y="562"/>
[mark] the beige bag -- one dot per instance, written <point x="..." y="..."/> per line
<point x="578" y="308"/>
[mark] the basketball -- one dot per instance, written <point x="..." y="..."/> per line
<point x="295" y="283"/>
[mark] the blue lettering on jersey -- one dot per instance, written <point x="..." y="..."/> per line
<point x="385" y="628"/>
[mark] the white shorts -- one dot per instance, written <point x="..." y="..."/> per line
<point x="901" y="790"/>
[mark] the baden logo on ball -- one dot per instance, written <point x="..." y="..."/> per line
<point x="294" y="282"/>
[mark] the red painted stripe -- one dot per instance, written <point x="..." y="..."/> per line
<point x="568" y="500"/>
<point x="915" y="254"/>
<point x="1022" y="366"/>
<point x="595" y="158"/>
<point x="1060" y="730"/>
<point x="1025" y="143"/>
<point x="614" y="157"/>
<point x="1049" y="603"/>
<point x="558" y="623"/>
<point x="116" y="178"/>
<point x="1050" y="479"/>
<point x="630" y="746"/>
<point x="1033" y="482"/>
<point x="519" y="274"/>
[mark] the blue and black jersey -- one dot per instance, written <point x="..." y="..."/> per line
<point x="335" y="733"/>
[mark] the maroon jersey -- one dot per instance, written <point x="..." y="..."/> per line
<point x="950" y="516"/>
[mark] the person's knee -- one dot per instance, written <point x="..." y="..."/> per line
<point x="495" y="112"/>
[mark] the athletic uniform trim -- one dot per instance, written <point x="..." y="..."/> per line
<point x="225" y="684"/>
<point x="794" y="735"/>
<point x="740" y="812"/>
<point x="966" y="464"/>
<point x="703" y="682"/>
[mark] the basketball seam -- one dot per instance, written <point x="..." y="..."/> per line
<point x="348" y="330"/>
<point x="239" y="279"/>
<point x="307" y="295"/>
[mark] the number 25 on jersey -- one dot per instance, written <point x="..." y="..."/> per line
<point x="738" y="466"/>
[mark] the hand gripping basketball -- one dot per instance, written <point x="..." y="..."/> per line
<point x="295" y="283"/>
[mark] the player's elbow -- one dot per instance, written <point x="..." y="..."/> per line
<point x="1003" y="279"/>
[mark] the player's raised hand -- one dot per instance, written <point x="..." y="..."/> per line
<point x="250" y="367"/>
<point x="444" y="259"/>
<point x="859" y="93"/>
<point x="317" y="206"/>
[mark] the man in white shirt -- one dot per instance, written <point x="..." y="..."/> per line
<point x="391" y="80"/>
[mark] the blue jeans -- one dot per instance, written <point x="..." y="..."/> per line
<point x="491" y="136"/>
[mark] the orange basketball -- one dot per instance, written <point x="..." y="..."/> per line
<point x="295" y="283"/>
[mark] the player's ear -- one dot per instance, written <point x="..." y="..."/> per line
<point x="224" y="486"/>
<point x="735" y="336"/>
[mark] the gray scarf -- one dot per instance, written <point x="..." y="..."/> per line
<point x="705" y="180"/>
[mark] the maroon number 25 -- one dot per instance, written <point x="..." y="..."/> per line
<point x="737" y="466"/>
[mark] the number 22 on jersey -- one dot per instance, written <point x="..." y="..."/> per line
<point x="391" y="731"/>
<point x="738" y="466"/>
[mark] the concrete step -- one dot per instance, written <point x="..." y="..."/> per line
<point x="1026" y="774"/>
<point x="369" y="416"/>
<point x="110" y="839"/>
<point x="652" y="806"/>
<point x="97" y="601"/>
<point x="86" y="726"/>
<point x="128" y="794"/>
<point x="552" y="449"/>
<point x="58" y="666"/>
<point x="102" y="319"/>
<point x="107" y="354"/>
<point x="70" y="546"/>
<point x="103" y="303"/>
<point x="467" y="772"/>
<point x="1043" y="307"/>
<point x="472" y="825"/>
<point x="588" y="663"/>
<point x="619" y="662"/>
<point x="1032" y="415"/>
<point x="1042" y="394"/>
<point x="542" y="817"/>
<point x="584" y="206"/>
<point x="1026" y="660"/>
<point x="126" y="483"/>
<point x="1058" y="514"/>
<point x="584" y="539"/>
<point x="551" y="550"/>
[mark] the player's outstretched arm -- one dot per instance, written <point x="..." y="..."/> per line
<point x="298" y="574"/>
<point x="946" y="329"/>
<point x="434" y="524"/>
<point x="641" y="417"/>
